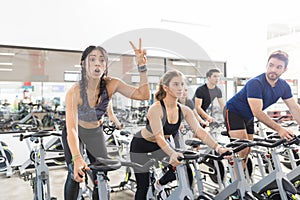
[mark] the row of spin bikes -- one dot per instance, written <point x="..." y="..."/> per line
<point x="272" y="172"/>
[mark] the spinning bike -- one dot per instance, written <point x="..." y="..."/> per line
<point x="41" y="181"/>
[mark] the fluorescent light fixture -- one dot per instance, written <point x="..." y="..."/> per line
<point x="5" y="64"/>
<point x="71" y="76"/>
<point x="132" y="73"/>
<point x="6" y="69"/>
<point x="7" y="54"/>
<point x="74" y="72"/>
<point x="191" y="76"/>
<point x="77" y="66"/>
<point x="149" y="69"/>
<point x="114" y="59"/>
<point x="181" y="63"/>
<point x="156" y="69"/>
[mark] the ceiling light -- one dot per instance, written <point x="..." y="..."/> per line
<point x="74" y="72"/>
<point x="114" y="59"/>
<point x="77" y="66"/>
<point x="191" y="76"/>
<point x="7" y="54"/>
<point x="5" y="64"/>
<point x="132" y="73"/>
<point x="6" y="69"/>
<point x="156" y="69"/>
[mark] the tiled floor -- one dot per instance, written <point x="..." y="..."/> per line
<point x="15" y="188"/>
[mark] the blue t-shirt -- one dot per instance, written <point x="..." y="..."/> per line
<point x="259" y="88"/>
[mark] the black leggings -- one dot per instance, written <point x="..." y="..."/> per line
<point x="95" y="147"/>
<point x="139" y="148"/>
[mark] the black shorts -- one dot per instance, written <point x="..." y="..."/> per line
<point x="234" y="121"/>
<point x="140" y="149"/>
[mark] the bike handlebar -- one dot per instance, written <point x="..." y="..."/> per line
<point x="194" y="156"/>
<point x="295" y="140"/>
<point x="39" y="134"/>
<point x="214" y="157"/>
<point x="242" y="145"/>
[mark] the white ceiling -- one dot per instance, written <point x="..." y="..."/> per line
<point x="228" y="30"/>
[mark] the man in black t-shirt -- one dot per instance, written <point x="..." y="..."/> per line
<point x="206" y="93"/>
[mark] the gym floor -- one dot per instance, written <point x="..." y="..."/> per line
<point x="16" y="188"/>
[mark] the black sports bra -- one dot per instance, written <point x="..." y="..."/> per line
<point x="168" y="128"/>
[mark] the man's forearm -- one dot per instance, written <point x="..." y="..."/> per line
<point x="264" y="118"/>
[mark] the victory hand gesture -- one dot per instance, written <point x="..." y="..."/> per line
<point x="139" y="53"/>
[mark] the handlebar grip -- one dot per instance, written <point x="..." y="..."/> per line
<point x="227" y="153"/>
<point x="235" y="144"/>
<point x="21" y="137"/>
<point x="56" y="134"/>
<point x="180" y="159"/>
<point x="84" y="170"/>
<point x="240" y="147"/>
<point x="279" y="142"/>
<point x="295" y="140"/>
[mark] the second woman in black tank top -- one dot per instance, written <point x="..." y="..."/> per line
<point x="164" y="118"/>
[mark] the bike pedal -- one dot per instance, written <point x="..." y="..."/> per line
<point x="27" y="176"/>
<point x="123" y="183"/>
<point x="297" y="186"/>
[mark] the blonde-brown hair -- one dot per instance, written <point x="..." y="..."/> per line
<point x="165" y="80"/>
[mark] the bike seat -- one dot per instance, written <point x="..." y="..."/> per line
<point x="224" y="133"/>
<point x="104" y="165"/>
<point x="193" y="142"/>
<point x="125" y="133"/>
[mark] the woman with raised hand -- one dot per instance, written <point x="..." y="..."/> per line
<point x="86" y="103"/>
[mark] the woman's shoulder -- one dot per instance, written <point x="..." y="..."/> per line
<point x="155" y="107"/>
<point x="110" y="79"/>
<point x="111" y="84"/>
<point x="184" y="108"/>
<point x="74" y="90"/>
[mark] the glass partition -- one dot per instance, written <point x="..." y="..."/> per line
<point x="43" y="75"/>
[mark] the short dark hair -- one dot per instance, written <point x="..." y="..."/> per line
<point x="281" y="55"/>
<point x="211" y="71"/>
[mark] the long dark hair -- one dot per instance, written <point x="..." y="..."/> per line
<point x="83" y="82"/>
